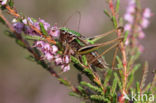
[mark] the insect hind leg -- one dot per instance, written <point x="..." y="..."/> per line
<point x="110" y="48"/>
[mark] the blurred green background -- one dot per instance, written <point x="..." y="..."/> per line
<point x="22" y="81"/>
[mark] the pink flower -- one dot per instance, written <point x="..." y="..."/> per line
<point x="46" y="47"/>
<point x="18" y="26"/>
<point x="39" y="44"/>
<point x="58" y="60"/>
<point x="141" y="48"/>
<point x="14" y="20"/>
<point x="131" y="9"/>
<point x="36" y="24"/>
<point x="48" y="56"/>
<point x="66" y="59"/>
<point x="127" y="42"/>
<point x="127" y="27"/>
<point x="46" y="24"/>
<point x="129" y="17"/>
<point x="24" y="21"/>
<point x="147" y="13"/>
<point x="30" y="20"/>
<point x="141" y="35"/>
<point x="54" y="32"/>
<point x="4" y="2"/>
<point x="65" y="68"/>
<point x="54" y="49"/>
<point x="144" y="23"/>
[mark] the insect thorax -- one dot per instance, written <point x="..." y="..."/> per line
<point x="69" y="39"/>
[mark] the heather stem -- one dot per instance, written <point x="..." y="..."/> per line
<point x="122" y="47"/>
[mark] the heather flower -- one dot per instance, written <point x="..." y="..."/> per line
<point x="36" y="24"/>
<point x="39" y="44"/>
<point x="141" y="35"/>
<point x="66" y="59"/>
<point x="131" y="9"/>
<point x="46" y="47"/>
<point x="48" y="56"/>
<point x="58" y="60"/>
<point x="24" y="21"/>
<point x="54" y="32"/>
<point x="29" y="30"/>
<point x="30" y="20"/>
<point x="54" y="49"/>
<point x="14" y="20"/>
<point x="144" y="23"/>
<point x="129" y="17"/>
<point x="127" y="27"/>
<point x="141" y="48"/>
<point x="18" y="26"/>
<point x="147" y="13"/>
<point x="65" y="68"/>
<point x="4" y="2"/>
<point x="127" y="42"/>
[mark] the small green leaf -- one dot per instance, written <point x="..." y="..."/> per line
<point x="121" y="21"/>
<point x="10" y="34"/>
<point x="88" y="71"/>
<point x="138" y="87"/>
<point x="117" y="5"/>
<point x="114" y="21"/>
<point x="65" y="82"/>
<point x="80" y="89"/>
<point x="119" y="62"/>
<point x="118" y="80"/>
<point x="136" y="67"/>
<point x="75" y="60"/>
<point x="74" y="94"/>
<point x="131" y="75"/>
<point x="92" y="87"/>
<point x="20" y="43"/>
<point x="114" y="86"/>
<point x="107" y="13"/>
<point x="84" y="60"/>
<point x="147" y="88"/>
<point x="126" y="35"/>
<point x="107" y="77"/>
<point x="30" y="58"/>
<point x="11" y="3"/>
<point x="28" y="37"/>
<point x="100" y="98"/>
<point x="43" y="29"/>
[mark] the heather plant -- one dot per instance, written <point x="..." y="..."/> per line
<point x="52" y="45"/>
